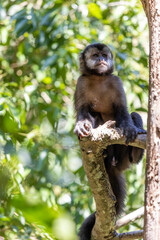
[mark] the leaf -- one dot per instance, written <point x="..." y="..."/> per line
<point x="47" y="80"/>
<point x="20" y="25"/>
<point x="8" y="123"/>
<point x="36" y="212"/>
<point x="45" y="19"/>
<point x="123" y="56"/>
<point x="50" y="61"/>
<point x="95" y="10"/>
<point x="19" y="14"/>
<point x="34" y="21"/>
<point x="9" y="148"/>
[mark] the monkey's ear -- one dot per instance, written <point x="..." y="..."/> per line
<point x="112" y="55"/>
<point x="80" y="56"/>
<point x="81" y="62"/>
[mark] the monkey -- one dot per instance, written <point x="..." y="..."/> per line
<point x="100" y="97"/>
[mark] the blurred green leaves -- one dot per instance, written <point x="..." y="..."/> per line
<point x="43" y="187"/>
<point x="95" y="10"/>
<point x="8" y="123"/>
<point x="50" y="61"/>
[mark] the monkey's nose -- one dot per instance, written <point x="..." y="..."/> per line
<point x="101" y="59"/>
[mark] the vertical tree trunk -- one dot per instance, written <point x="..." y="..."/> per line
<point x="152" y="190"/>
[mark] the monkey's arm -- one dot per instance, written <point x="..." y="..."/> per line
<point x="84" y="122"/>
<point x="125" y="122"/>
<point x="131" y="125"/>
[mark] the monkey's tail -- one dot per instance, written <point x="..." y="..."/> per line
<point x="86" y="228"/>
<point x="117" y="182"/>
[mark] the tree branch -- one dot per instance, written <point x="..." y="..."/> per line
<point x="92" y="154"/>
<point x="107" y="134"/>
<point x="129" y="235"/>
<point x="131" y="217"/>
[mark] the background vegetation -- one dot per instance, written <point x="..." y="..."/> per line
<point x="44" y="192"/>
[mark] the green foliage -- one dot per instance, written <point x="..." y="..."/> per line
<point x="44" y="192"/>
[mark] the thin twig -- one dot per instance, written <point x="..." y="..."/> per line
<point x="129" y="235"/>
<point x="131" y="217"/>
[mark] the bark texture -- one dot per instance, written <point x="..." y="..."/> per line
<point x="152" y="190"/>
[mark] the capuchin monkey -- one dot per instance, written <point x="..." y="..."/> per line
<point x="100" y="97"/>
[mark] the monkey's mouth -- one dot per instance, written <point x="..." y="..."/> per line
<point x="103" y="64"/>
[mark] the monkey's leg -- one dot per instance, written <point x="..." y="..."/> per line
<point x="137" y="120"/>
<point x="114" y="160"/>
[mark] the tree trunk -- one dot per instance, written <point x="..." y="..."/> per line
<point x="152" y="190"/>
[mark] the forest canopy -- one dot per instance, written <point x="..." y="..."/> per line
<point x="44" y="192"/>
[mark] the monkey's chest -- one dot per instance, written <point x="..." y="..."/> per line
<point x="100" y="100"/>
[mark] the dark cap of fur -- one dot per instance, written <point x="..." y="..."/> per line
<point x="99" y="46"/>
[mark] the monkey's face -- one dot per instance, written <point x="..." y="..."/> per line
<point x="98" y="59"/>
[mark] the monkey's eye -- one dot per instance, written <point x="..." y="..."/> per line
<point x="95" y="55"/>
<point x="104" y="55"/>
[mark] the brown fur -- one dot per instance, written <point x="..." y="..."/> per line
<point x="100" y="92"/>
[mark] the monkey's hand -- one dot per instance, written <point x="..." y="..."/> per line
<point x="130" y="132"/>
<point x="83" y="128"/>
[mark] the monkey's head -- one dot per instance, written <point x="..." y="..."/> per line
<point x="96" y="59"/>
